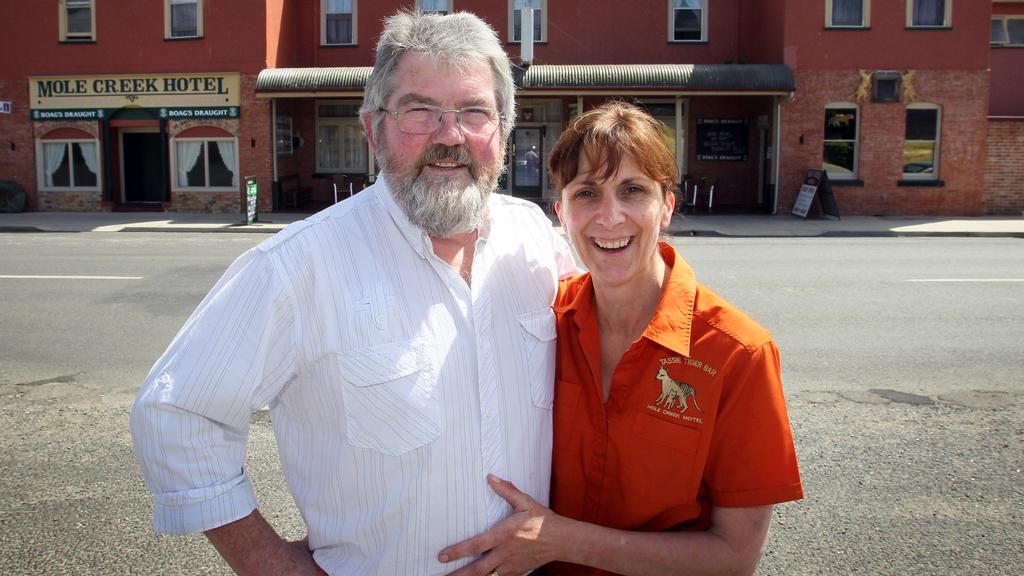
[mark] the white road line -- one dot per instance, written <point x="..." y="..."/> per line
<point x="965" y="280"/>
<point x="40" y="277"/>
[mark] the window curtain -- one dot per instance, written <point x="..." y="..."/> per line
<point x="339" y="21"/>
<point x="79" y="16"/>
<point x="929" y="12"/>
<point x="89" y="155"/>
<point x="188" y="153"/>
<point x="517" y="8"/>
<point x="339" y="6"/>
<point x="227" y="154"/>
<point x="1015" y="31"/>
<point x="184" y="18"/>
<point x="353" y="148"/>
<point x="53" y="156"/>
<point x="687" y="20"/>
<point x="847" y="12"/>
<point x="434" y="5"/>
<point x="328" y="147"/>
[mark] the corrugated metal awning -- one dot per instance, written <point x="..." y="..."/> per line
<point x="687" y="77"/>
<point x="312" y="79"/>
<point x="759" y="78"/>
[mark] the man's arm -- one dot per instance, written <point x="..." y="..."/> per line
<point x="251" y="546"/>
<point x="534" y="536"/>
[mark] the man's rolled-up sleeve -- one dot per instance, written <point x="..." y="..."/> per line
<point x="190" y="421"/>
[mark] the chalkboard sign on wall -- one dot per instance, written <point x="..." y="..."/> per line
<point x="722" y="139"/>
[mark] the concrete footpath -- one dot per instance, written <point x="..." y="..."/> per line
<point x="682" y="225"/>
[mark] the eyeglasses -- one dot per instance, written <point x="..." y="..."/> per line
<point x="426" y="119"/>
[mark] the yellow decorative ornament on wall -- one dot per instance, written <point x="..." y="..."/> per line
<point x="909" y="93"/>
<point x="864" y="89"/>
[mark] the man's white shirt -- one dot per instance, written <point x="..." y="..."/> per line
<point x="394" y="387"/>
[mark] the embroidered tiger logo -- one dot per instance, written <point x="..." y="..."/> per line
<point x="673" y="390"/>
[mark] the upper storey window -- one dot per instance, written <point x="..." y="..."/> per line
<point x="435" y="6"/>
<point x="687" y="20"/>
<point x="540" y="23"/>
<point x="77" y="20"/>
<point x="184" y="18"/>
<point x="929" y="13"/>
<point x="1007" y="31"/>
<point x="847" y="13"/>
<point x="338" y="22"/>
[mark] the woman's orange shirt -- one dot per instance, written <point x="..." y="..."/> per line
<point x="695" y="416"/>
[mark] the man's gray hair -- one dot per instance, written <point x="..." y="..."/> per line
<point x="457" y="40"/>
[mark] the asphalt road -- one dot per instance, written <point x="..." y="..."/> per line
<point x="903" y="360"/>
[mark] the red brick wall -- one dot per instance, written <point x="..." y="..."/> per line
<point x="1004" y="167"/>
<point x="255" y="143"/>
<point x="577" y="33"/>
<point x="1007" y="96"/>
<point x="17" y="147"/>
<point x="963" y="98"/>
<point x="130" y="40"/>
<point x="216" y="202"/>
<point x="887" y="43"/>
<point x="762" y="31"/>
<point x="1006" y="64"/>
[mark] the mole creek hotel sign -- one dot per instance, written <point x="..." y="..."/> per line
<point x="171" y="96"/>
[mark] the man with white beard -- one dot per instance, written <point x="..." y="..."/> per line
<point x="403" y="339"/>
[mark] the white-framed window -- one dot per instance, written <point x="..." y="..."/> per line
<point x="921" y="144"/>
<point x="337" y="22"/>
<point x="183" y="18"/>
<point x="540" y="19"/>
<point x="205" y="163"/>
<point x="839" y="157"/>
<point x="77" y="20"/>
<point x="1007" y="31"/>
<point x="68" y="165"/>
<point x="687" y="20"/>
<point x="438" y="6"/>
<point x="848" y="13"/>
<point x="340" y="143"/>
<point x="283" y="135"/>
<point x="929" y="13"/>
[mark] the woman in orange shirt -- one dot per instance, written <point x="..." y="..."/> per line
<point x="672" y="441"/>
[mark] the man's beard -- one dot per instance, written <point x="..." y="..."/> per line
<point x="442" y="206"/>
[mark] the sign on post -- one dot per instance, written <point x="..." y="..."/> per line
<point x="251" y="194"/>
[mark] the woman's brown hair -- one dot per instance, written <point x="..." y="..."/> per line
<point x="607" y="133"/>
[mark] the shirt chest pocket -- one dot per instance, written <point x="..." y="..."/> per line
<point x="390" y="393"/>
<point x="539" y="343"/>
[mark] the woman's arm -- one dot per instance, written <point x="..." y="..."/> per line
<point x="534" y="535"/>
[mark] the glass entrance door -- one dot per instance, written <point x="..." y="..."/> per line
<point x="527" y="163"/>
